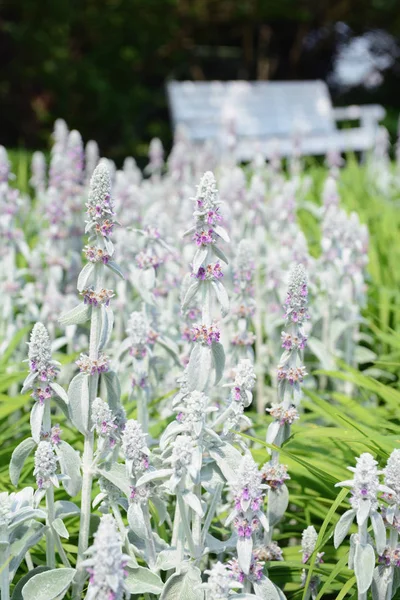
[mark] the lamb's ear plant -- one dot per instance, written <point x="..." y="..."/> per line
<point x="364" y="506"/>
<point x="84" y="388"/>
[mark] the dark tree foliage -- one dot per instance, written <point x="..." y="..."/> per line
<point x="102" y="64"/>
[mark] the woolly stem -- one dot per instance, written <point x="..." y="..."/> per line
<point x="186" y="526"/>
<point x="258" y="345"/>
<point x="150" y="546"/>
<point x="4" y="562"/>
<point x="50" y="548"/>
<point x="88" y="448"/>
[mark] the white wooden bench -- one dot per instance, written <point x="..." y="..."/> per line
<point x="265" y="115"/>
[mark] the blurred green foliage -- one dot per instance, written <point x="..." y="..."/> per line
<point x="102" y="64"/>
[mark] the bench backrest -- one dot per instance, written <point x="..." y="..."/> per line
<point x="255" y="109"/>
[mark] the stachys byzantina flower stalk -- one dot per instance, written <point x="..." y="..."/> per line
<point x="309" y="539"/>
<point x="107" y="564"/>
<point x="83" y="389"/>
<point x="364" y="506"/>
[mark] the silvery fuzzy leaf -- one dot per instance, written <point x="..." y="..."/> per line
<point x="193" y="501"/>
<point x="65" y="508"/>
<point x="390" y="512"/>
<point x="184" y="586"/>
<point x="199" y="367"/>
<point x="352" y="551"/>
<point x="29" y="381"/>
<point x="228" y="459"/>
<point x="84" y="276"/>
<point x="70" y="464"/>
<point x="170" y="347"/>
<point x="364" y="563"/>
<point x="18" y="458"/>
<point x="343" y="526"/>
<point x="263" y="519"/>
<point x="59" y="527"/>
<point x="272" y="431"/>
<point x="61" y="405"/>
<point x="216" y="546"/>
<point x="78" y="402"/>
<point x="173" y="429"/>
<point x="50" y="585"/>
<point x="211" y="477"/>
<point x="151" y="475"/>
<point x="61" y="393"/>
<point x="26" y="514"/>
<point x="143" y="581"/>
<point x="107" y="323"/>
<point x="222" y="233"/>
<point x="27" y="537"/>
<point x="363" y="355"/>
<point x="36" y="420"/>
<point x="265" y="589"/>
<point x="218" y="356"/>
<point x="219" y="254"/>
<point x="168" y="559"/>
<point x="245" y="597"/>
<point x="326" y="359"/>
<point x="113" y="389"/>
<point x="396" y="581"/>
<point x="199" y="257"/>
<point x="379" y="531"/>
<point x="381" y="578"/>
<point x="222" y="297"/>
<point x="115" y="268"/>
<point x="117" y="475"/>
<point x="17" y="593"/>
<point x="363" y="511"/>
<point x="109" y="246"/>
<point x="77" y="315"/>
<point x="190" y="294"/>
<point x="136" y="520"/>
<point x="244" y="549"/>
<point x="148" y="278"/>
<point x="278" y="501"/>
<point x="338" y="327"/>
<point x="161" y="509"/>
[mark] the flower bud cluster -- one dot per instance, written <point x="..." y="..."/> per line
<point x="134" y="447"/>
<point x="220" y="582"/>
<point x="390" y="557"/>
<point x="243" y="339"/>
<point x="309" y="539"/>
<point x="100" y="206"/>
<point x="104" y="422"/>
<point x="147" y="259"/>
<point x="95" y="299"/>
<point x="107" y="564"/>
<point x="392" y="477"/>
<point x="39" y="354"/>
<point x="365" y="485"/>
<point x="274" y="475"/>
<point x="297" y="297"/>
<point x="291" y="374"/>
<point x="270" y="552"/>
<point x="192" y="411"/>
<point x="255" y="571"/>
<point x="205" y="335"/>
<point x="209" y="273"/>
<point x="244" y="268"/>
<point x="45" y="465"/>
<point x="284" y="415"/>
<point x="92" y="366"/>
<point x="95" y="255"/>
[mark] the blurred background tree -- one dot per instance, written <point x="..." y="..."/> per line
<point x="102" y="64"/>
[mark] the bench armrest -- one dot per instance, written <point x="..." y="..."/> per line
<point x="368" y="114"/>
